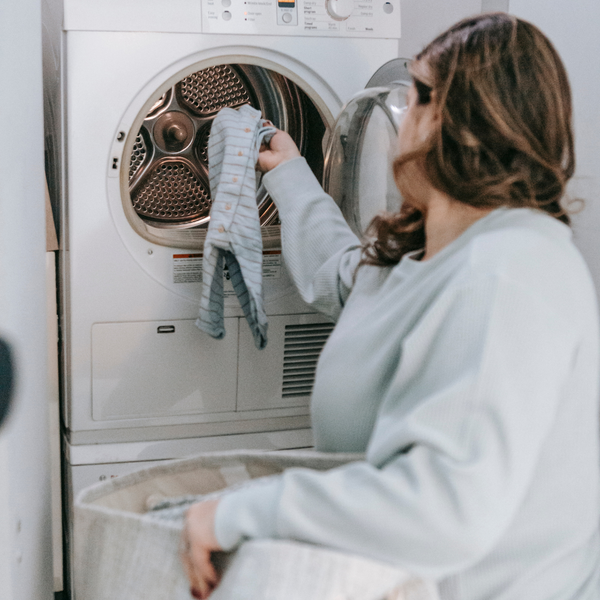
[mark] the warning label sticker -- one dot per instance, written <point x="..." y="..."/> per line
<point x="271" y="235"/>
<point x="187" y="268"/>
<point x="271" y="264"/>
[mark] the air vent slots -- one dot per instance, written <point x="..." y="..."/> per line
<point x="303" y="345"/>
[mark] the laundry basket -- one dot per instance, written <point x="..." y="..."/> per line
<point x="123" y="553"/>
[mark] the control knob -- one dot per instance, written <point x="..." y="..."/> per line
<point x="339" y="10"/>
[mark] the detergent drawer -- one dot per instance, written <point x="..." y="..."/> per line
<point x="162" y="369"/>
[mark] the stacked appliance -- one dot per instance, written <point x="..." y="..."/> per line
<point x="132" y="87"/>
<point x="140" y="83"/>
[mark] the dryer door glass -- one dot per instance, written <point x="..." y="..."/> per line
<point x="168" y="169"/>
<point x="358" y="161"/>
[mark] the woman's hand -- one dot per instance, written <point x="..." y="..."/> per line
<point x="198" y="541"/>
<point x="281" y="148"/>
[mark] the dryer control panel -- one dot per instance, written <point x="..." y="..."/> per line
<point x="335" y="18"/>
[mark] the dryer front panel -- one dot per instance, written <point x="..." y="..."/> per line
<point x="121" y="285"/>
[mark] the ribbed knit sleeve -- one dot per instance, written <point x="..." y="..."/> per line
<point x="320" y="251"/>
<point x="453" y="453"/>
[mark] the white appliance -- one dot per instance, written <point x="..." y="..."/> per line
<point x="141" y="81"/>
<point x="129" y="96"/>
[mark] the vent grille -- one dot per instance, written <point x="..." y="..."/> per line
<point x="303" y="345"/>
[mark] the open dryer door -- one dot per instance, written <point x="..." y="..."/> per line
<point x="360" y="152"/>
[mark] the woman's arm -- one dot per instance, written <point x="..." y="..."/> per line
<point x="454" y="449"/>
<point x="320" y="251"/>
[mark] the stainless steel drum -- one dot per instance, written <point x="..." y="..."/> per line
<point x="168" y="169"/>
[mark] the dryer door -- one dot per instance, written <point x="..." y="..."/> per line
<point x="360" y="152"/>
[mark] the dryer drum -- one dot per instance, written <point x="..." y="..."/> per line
<point x="168" y="168"/>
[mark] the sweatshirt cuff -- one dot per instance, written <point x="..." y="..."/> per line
<point x="249" y="512"/>
<point x="290" y="180"/>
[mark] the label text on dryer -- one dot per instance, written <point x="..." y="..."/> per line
<point x="187" y="268"/>
<point x="271" y="264"/>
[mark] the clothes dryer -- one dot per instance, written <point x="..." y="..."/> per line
<point x="142" y="82"/>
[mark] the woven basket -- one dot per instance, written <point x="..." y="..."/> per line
<point x="122" y="553"/>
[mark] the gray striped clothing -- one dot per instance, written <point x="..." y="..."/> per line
<point x="234" y="239"/>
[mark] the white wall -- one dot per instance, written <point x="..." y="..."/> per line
<point x="422" y="20"/>
<point x="574" y="28"/>
<point x="25" y="546"/>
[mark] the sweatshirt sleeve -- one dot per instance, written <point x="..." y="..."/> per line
<point x="454" y="448"/>
<point x="320" y="250"/>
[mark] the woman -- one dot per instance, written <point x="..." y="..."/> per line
<point x="465" y="356"/>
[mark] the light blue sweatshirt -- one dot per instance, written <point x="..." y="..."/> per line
<point x="470" y="381"/>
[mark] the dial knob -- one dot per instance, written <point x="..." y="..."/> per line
<point x="339" y="10"/>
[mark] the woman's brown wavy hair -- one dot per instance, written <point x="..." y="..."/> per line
<point x="505" y="134"/>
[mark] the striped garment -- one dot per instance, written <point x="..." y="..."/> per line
<point x="234" y="237"/>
